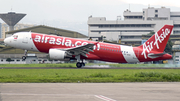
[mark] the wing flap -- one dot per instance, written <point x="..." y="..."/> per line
<point x="80" y="50"/>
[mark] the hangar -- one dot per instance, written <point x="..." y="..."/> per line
<point x="49" y="30"/>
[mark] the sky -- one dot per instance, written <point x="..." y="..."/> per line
<point x="73" y="14"/>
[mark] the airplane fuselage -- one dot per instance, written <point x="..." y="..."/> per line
<point x="101" y="51"/>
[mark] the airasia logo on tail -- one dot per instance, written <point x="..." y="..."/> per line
<point x="148" y="46"/>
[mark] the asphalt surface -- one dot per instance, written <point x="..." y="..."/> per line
<point x="161" y="91"/>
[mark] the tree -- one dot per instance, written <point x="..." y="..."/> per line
<point x="168" y="48"/>
<point x="151" y="33"/>
<point x="9" y="60"/>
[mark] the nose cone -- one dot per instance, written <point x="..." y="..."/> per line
<point x="7" y="41"/>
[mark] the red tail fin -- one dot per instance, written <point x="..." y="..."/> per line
<point x="158" y="41"/>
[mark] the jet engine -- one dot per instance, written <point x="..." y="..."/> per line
<point x="57" y="54"/>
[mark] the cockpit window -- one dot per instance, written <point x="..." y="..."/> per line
<point x="15" y="36"/>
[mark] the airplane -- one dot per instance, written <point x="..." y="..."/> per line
<point x="59" y="47"/>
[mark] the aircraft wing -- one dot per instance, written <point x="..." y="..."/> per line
<point x="80" y="50"/>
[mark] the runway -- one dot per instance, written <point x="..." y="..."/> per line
<point x="90" y="68"/>
<point x="156" y="91"/>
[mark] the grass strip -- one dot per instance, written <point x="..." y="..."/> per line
<point x="88" y="75"/>
<point x="39" y="65"/>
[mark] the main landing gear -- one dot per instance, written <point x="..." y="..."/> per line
<point x="79" y="64"/>
<point x="25" y="54"/>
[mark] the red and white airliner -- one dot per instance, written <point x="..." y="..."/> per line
<point x="63" y="47"/>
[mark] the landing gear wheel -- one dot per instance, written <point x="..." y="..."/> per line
<point x="79" y="65"/>
<point x="24" y="58"/>
<point x="83" y="64"/>
<point x="25" y="54"/>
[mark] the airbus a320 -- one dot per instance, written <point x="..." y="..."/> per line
<point x="64" y="47"/>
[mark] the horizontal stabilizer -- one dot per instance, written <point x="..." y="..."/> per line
<point x="152" y="55"/>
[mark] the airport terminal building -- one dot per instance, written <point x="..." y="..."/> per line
<point x="135" y="24"/>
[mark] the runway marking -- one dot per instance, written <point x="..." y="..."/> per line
<point x="33" y="94"/>
<point x="104" y="98"/>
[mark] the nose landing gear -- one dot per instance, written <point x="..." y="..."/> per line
<point x="25" y="54"/>
<point x="23" y="57"/>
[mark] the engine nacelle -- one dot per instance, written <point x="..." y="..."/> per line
<point x="57" y="54"/>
